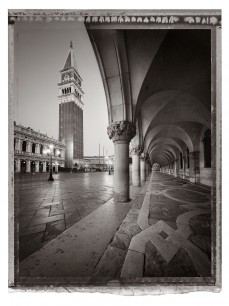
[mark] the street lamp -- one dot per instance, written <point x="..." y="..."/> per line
<point x="50" y="151"/>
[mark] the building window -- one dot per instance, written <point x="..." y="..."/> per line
<point x="207" y="149"/>
<point x="41" y="149"/>
<point x="181" y="160"/>
<point x="187" y="151"/>
<point x="33" y="147"/>
<point x="24" y="146"/>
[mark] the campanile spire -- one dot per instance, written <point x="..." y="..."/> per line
<point x="71" y="111"/>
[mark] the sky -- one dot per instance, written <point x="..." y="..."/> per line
<point x="41" y="51"/>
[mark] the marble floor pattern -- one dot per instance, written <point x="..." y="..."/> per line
<point x="167" y="233"/>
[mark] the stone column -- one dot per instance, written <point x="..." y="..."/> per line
<point x="121" y="133"/>
<point x="36" y="166"/>
<point x="17" y="144"/>
<point x="194" y="170"/>
<point x="184" y="167"/>
<point x="135" y="152"/>
<point x="28" y="166"/>
<point x="37" y="148"/>
<point x="176" y="168"/>
<point x="56" y="168"/>
<point x="44" y="166"/>
<point x="142" y="168"/>
<point x="28" y="147"/>
<point x="18" y="165"/>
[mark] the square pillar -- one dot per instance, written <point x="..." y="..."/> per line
<point x="28" y="166"/>
<point x="142" y="169"/>
<point x="194" y="170"/>
<point x="44" y="166"/>
<point x="176" y="168"/>
<point x="36" y="166"/>
<point x="18" y="165"/>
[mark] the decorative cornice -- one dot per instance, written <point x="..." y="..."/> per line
<point x="121" y="130"/>
<point x="105" y="17"/>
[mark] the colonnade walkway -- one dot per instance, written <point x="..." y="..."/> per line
<point x="165" y="231"/>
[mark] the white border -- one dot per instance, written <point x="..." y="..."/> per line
<point x="24" y="299"/>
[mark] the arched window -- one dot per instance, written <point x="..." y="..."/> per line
<point x="41" y="149"/>
<point x="207" y="149"/>
<point x="33" y="147"/>
<point x="181" y="160"/>
<point x="63" y="91"/>
<point x="24" y="146"/>
<point x="187" y="151"/>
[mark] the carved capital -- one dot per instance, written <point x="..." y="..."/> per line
<point x="136" y="150"/>
<point x="121" y="130"/>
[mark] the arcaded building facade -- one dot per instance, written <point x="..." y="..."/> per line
<point x="71" y="111"/>
<point x="30" y="151"/>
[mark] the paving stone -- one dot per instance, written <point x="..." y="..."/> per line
<point x="53" y="229"/>
<point x="40" y="220"/>
<point x="32" y="230"/>
<point x="133" y="265"/>
<point x="187" y="195"/>
<point x="181" y="265"/>
<point x="42" y="212"/>
<point x="155" y="266"/>
<point x="110" y="265"/>
<point x="201" y="224"/>
<point x="71" y="218"/>
<point x="24" y="220"/>
<point x="132" y="215"/>
<point x="203" y="242"/>
<point x="121" y="240"/>
<point x="34" y="205"/>
<point x="29" y="244"/>
<point x="137" y="203"/>
<point x="154" y="263"/>
<point x="28" y="211"/>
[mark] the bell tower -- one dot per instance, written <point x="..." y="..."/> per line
<point x="71" y="110"/>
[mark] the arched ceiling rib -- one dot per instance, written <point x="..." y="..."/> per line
<point x="168" y="131"/>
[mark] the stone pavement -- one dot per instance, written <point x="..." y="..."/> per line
<point x="164" y="232"/>
<point x="46" y="209"/>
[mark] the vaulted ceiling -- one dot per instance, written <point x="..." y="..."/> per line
<point x="159" y="79"/>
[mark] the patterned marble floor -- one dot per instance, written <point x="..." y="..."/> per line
<point x="167" y="233"/>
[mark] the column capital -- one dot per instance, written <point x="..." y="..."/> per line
<point x="121" y="130"/>
<point x="136" y="150"/>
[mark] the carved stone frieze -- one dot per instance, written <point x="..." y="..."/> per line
<point x="139" y="17"/>
<point x="121" y="130"/>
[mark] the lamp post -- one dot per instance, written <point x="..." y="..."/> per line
<point x="50" y="151"/>
<point x="109" y="167"/>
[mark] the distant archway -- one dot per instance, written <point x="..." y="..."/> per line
<point x="156" y="167"/>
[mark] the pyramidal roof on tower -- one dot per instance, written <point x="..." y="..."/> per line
<point x="70" y="61"/>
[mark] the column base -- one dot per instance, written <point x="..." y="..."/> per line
<point x="121" y="197"/>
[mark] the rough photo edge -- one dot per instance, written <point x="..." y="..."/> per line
<point x="136" y="19"/>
